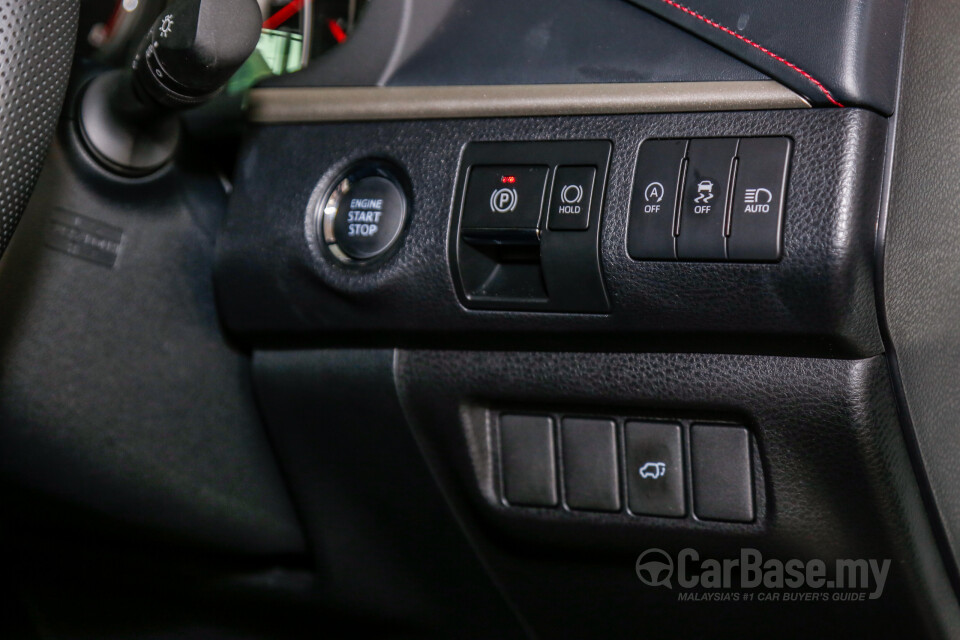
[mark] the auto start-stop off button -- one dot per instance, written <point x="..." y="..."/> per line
<point x="364" y="213"/>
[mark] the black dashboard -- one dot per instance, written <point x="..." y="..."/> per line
<point x="495" y="319"/>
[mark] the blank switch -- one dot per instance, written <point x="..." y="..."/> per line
<point x="527" y="460"/>
<point x="722" y="479"/>
<point x="590" y="477"/>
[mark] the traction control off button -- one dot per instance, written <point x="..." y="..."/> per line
<point x="703" y="205"/>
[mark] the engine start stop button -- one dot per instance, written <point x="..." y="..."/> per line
<point x="364" y="214"/>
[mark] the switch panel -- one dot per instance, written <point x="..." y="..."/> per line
<point x="526" y="233"/>
<point x="654" y="464"/>
<point x="731" y="199"/>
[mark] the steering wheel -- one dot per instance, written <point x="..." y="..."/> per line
<point x="37" y="39"/>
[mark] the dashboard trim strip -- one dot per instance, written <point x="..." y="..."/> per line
<point x="345" y="104"/>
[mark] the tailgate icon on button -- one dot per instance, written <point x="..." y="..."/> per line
<point x="653" y="470"/>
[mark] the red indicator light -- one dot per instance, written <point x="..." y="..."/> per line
<point x="336" y="31"/>
<point x="508" y="179"/>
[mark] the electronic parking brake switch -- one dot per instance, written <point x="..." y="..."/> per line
<point x="504" y="197"/>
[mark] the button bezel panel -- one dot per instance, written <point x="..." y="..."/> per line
<point x="622" y="425"/>
<point x="540" y="269"/>
<point x="686" y="174"/>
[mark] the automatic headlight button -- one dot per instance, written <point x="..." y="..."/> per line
<point x="364" y="215"/>
<point x="756" y="219"/>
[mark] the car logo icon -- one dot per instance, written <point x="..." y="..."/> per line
<point x="653" y="470"/>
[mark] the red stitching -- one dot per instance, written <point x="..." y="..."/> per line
<point x="753" y="44"/>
